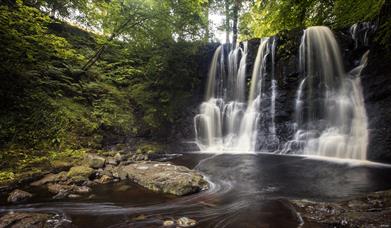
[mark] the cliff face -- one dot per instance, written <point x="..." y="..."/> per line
<point x="376" y="81"/>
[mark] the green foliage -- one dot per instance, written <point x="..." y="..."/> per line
<point x="149" y="148"/>
<point x="25" y="40"/>
<point x="267" y="18"/>
<point x="135" y="89"/>
<point x="349" y="12"/>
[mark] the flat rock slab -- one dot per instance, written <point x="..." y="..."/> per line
<point x="164" y="177"/>
<point x="371" y="210"/>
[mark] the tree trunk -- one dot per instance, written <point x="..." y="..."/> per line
<point x="207" y="31"/>
<point x="227" y="19"/>
<point x="235" y="23"/>
<point x="95" y="58"/>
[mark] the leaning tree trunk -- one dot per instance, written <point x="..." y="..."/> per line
<point x="227" y="18"/>
<point x="235" y="23"/>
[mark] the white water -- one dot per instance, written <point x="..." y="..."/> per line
<point x="249" y="126"/>
<point x="226" y="121"/>
<point x="330" y="113"/>
<point x="360" y="33"/>
<point x="330" y="116"/>
<point x="218" y="123"/>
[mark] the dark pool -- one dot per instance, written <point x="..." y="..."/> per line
<point x="246" y="190"/>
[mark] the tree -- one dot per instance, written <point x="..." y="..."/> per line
<point x="148" y="21"/>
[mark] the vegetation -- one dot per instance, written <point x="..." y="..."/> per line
<point x="79" y="74"/>
<point x="50" y="104"/>
<point x="267" y="18"/>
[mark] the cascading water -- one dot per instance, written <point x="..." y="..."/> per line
<point x="249" y="126"/>
<point x="360" y="33"/>
<point x="220" y="115"/>
<point x="226" y="122"/>
<point x="330" y="113"/>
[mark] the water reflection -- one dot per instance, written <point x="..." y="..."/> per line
<point x="245" y="191"/>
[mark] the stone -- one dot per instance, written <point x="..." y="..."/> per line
<point x="24" y="219"/>
<point x="50" y="178"/>
<point x="18" y="196"/>
<point x="123" y="188"/>
<point x="371" y="210"/>
<point x="168" y="223"/>
<point x="118" y="157"/>
<point x="105" y="179"/>
<point x="109" y="170"/>
<point x="74" y="196"/>
<point x="95" y="161"/>
<point x="80" y="173"/>
<point x="57" y="188"/>
<point x="112" y="161"/>
<point x="164" y="177"/>
<point x="186" y="222"/>
<point x="62" y="194"/>
<point x="81" y="189"/>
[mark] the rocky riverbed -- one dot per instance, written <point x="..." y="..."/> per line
<point x="162" y="177"/>
<point x="371" y="210"/>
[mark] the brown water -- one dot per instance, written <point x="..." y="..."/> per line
<point x="248" y="190"/>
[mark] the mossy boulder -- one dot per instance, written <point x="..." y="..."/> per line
<point x="95" y="161"/>
<point x="80" y="173"/>
<point x="149" y="148"/>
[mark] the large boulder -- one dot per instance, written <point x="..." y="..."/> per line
<point x="164" y="177"/>
<point x="18" y="196"/>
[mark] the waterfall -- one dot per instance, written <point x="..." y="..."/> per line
<point x="274" y="90"/>
<point x="249" y="126"/>
<point x="227" y="122"/>
<point x="218" y="122"/>
<point x="360" y="33"/>
<point x="330" y="113"/>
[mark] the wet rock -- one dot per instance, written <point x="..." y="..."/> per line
<point x="372" y="210"/>
<point x="81" y="189"/>
<point x="118" y="157"/>
<point x="168" y="223"/>
<point x="186" y="222"/>
<point x="109" y="171"/>
<point x="164" y="177"/>
<point x="18" y="196"/>
<point x="21" y="219"/>
<point x="57" y="188"/>
<point x="79" y="173"/>
<point x="123" y="188"/>
<point x="73" y="196"/>
<point x="112" y="161"/>
<point x="50" y="178"/>
<point x="95" y="161"/>
<point x="104" y="179"/>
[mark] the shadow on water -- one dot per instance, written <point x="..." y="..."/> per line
<point x="245" y="191"/>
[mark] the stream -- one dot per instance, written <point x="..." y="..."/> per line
<point x="246" y="190"/>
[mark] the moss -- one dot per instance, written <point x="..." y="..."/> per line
<point x="80" y="171"/>
<point x="150" y="148"/>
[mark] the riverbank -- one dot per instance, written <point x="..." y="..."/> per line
<point x="72" y="177"/>
<point x="369" y="210"/>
